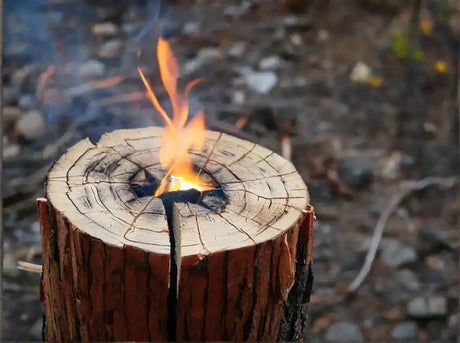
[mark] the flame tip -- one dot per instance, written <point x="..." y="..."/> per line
<point x="177" y="137"/>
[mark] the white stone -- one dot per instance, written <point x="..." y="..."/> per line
<point x="427" y="307"/>
<point x="261" y="82"/>
<point x="105" y="29"/>
<point x="191" y="27"/>
<point x="204" y="56"/>
<point x="10" y="151"/>
<point x="238" y="97"/>
<point x="361" y="73"/>
<point x="395" y="254"/>
<point x="31" y="125"/>
<point x="237" y="49"/>
<point x="270" y="63"/>
<point x="404" y="330"/>
<point x="91" y="69"/>
<point x="110" y="49"/>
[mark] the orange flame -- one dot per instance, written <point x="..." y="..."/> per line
<point x="177" y="138"/>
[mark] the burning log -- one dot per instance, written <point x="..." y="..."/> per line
<point x="231" y="262"/>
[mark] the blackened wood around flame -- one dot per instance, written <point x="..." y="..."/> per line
<point x="214" y="199"/>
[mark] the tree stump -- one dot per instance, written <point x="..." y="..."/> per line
<point x="121" y="264"/>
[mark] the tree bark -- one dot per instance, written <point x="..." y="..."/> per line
<point x="123" y="266"/>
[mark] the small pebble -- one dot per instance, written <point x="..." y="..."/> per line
<point x="11" y="114"/>
<point x="10" y="151"/>
<point x="344" y="332"/>
<point x="111" y="49"/>
<point x="408" y="280"/>
<point x="361" y="73"/>
<point x="427" y="307"/>
<point x="92" y="69"/>
<point x="395" y="254"/>
<point x="237" y="50"/>
<point x="31" y="126"/>
<point x="261" y="82"/>
<point x="405" y="330"/>
<point x="204" y="56"/>
<point x="270" y="63"/>
<point x="191" y="27"/>
<point x="105" y="29"/>
<point x="238" y="97"/>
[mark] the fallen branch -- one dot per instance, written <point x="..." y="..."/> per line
<point x="407" y="187"/>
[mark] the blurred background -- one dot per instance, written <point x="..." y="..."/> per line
<point x="364" y="93"/>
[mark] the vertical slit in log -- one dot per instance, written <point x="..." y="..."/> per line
<point x="173" y="274"/>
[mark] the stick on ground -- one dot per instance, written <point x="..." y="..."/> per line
<point x="407" y="187"/>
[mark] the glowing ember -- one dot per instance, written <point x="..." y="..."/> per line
<point x="177" y="138"/>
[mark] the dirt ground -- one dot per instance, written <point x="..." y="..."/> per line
<point x="366" y="97"/>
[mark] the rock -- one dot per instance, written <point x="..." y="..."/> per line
<point x="436" y="263"/>
<point x="11" y="114"/>
<point x="270" y="63"/>
<point x="237" y="50"/>
<point x="238" y="97"/>
<point x="323" y="35"/>
<point x="344" y="332"/>
<point x="296" y="23"/>
<point x="36" y="330"/>
<point x="31" y="126"/>
<point x="204" y="56"/>
<point x="191" y="27"/>
<point x="395" y="254"/>
<point x="10" y="151"/>
<point x="296" y="39"/>
<point x="10" y="264"/>
<point x="407" y="279"/>
<point x="111" y="48"/>
<point x="294" y="82"/>
<point x="105" y="29"/>
<point x="92" y="69"/>
<point x="361" y="73"/>
<point x="405" y="330"/>
<point x="237" y="11"/>
<point x="261" y="82"/>
<point x="356" y="172"/>
<point x="427" y="307"/>
<point x="432" y="240"/>
<point x="453" y="320"/>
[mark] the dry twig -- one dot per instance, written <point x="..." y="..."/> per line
<point x="30" y="267"/>
<point x="407" y="187"/>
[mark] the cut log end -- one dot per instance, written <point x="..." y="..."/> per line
<point x="121" y="265"/>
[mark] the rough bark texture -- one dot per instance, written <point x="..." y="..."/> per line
<point x="118" y="266"/>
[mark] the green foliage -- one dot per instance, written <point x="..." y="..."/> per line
<point x="401" y="47"/>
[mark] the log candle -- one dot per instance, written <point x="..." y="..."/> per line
<point x="232" y="263"/>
